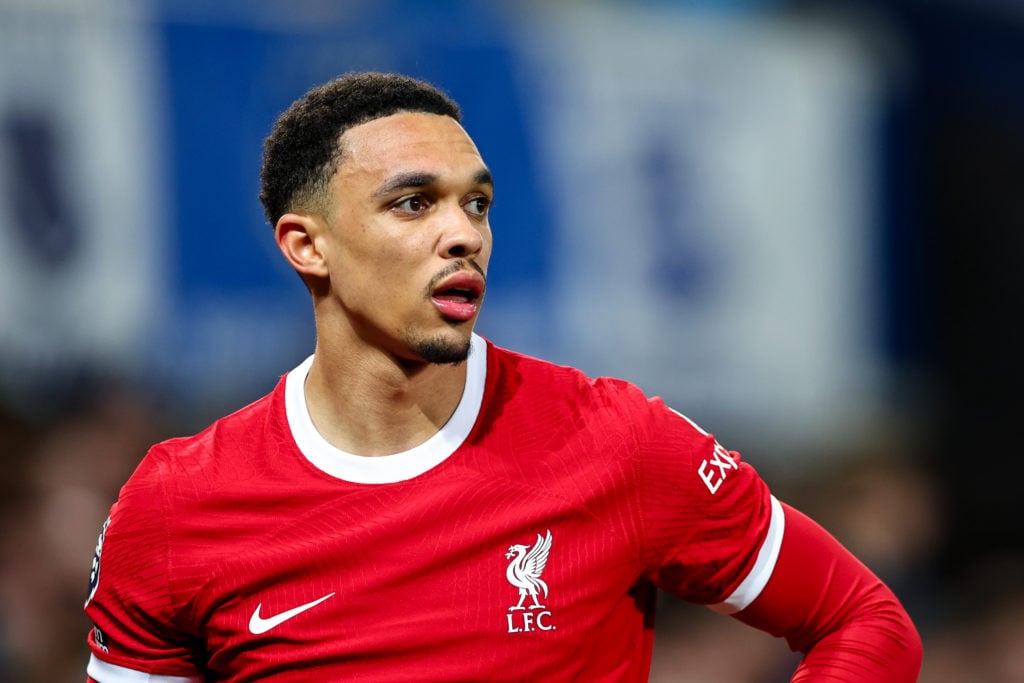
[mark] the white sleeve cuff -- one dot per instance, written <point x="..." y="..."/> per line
<point x="756" y="580"/>
<point x="104" y="672"/>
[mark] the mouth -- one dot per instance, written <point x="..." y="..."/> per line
<point x="458" y="297"/>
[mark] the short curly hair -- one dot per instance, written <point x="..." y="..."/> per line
<point x="302" y="152"/>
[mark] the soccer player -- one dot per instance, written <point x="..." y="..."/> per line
<point x="414" y="503"/>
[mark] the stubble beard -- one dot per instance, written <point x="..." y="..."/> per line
<point x="441" y="350"/>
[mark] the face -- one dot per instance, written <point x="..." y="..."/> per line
<point x="407" y="238"/>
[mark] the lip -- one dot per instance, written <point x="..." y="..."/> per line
<point x="458" y="297"/>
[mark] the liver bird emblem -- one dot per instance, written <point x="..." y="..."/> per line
<point x="525" y="569"/>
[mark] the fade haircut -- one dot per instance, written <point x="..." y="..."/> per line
<point x="302" y="152"/>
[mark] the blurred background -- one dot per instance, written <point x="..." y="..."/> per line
<point x="798" y="221"/>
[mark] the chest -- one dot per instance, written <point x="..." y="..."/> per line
<point x="456" y="580"/>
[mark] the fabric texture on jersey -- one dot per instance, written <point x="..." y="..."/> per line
<point x="523" y="542"/>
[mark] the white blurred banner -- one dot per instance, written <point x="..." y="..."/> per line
<point x="713" y="179"/>
<point x="686" y="200"/>
<point x="79" y="195"/>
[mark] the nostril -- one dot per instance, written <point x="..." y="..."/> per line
<point x="457" y="250"/>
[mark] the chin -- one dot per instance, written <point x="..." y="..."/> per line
<point x="442" y="349"/>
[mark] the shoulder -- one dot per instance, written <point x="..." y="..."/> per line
<point x="542" y="383"/>
<point x="510" y="372"/>
<point x="226" y="436"/>
<point x="527" y="393"/>
<point x="169" y="494"/>
<point x="179" y="473"/>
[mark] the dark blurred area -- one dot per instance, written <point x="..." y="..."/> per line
<point x="932" y="503"/>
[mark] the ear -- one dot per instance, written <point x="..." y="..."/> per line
<point x="296" y="235"/>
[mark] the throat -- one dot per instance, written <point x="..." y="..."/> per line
<point x="381" y="419"/>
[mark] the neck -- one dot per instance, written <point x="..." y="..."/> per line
<point x="373" y="403"/>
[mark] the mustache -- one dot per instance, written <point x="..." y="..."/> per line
<point x="452" y="268"/>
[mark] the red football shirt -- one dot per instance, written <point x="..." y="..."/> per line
<point x="523" y="541"/>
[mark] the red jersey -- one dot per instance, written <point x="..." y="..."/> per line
<point x="523" y="541"/>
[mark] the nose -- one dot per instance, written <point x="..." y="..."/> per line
<point x="462" y="236"/>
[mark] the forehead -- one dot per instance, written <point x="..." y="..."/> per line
<point x="408" y="141"/>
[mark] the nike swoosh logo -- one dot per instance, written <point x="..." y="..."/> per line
<point x="258" y="624"/>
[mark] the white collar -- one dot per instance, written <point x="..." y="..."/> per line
<point x="387" y="469"/>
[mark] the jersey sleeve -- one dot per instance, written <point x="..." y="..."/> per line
<point x="712" y="529"/>
<point x="136" y="629"/>
<point x="715" y="535"/>
<point x="827" y="604"/>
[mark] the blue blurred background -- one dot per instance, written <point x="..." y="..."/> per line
<point x="798" y="221"/>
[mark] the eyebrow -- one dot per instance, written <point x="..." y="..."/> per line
<point x="483" y="177"/>
<point x="415" y="179"/>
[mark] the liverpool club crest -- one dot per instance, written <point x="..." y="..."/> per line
<point x="524" y="573"/>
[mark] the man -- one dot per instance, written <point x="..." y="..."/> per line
<point x="413" y="503"/>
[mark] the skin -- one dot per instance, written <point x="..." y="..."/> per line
<point x="406" y="213"/>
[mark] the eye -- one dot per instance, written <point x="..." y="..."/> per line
<point x="478" y="206"/>
<point x="413" y="204"/>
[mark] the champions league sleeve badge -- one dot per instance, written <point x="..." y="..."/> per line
<point x="94" y="574"/>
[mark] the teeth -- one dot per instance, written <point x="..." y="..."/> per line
<point x="467" y="293"/>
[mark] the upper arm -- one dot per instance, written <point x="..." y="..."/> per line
<point x="711" y="528"/>
<point x="715" y="535"/>
<point x="827" y="604"/>
<point x="130" y="602"/>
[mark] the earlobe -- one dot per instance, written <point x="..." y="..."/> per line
<point x="296" y="238"/>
